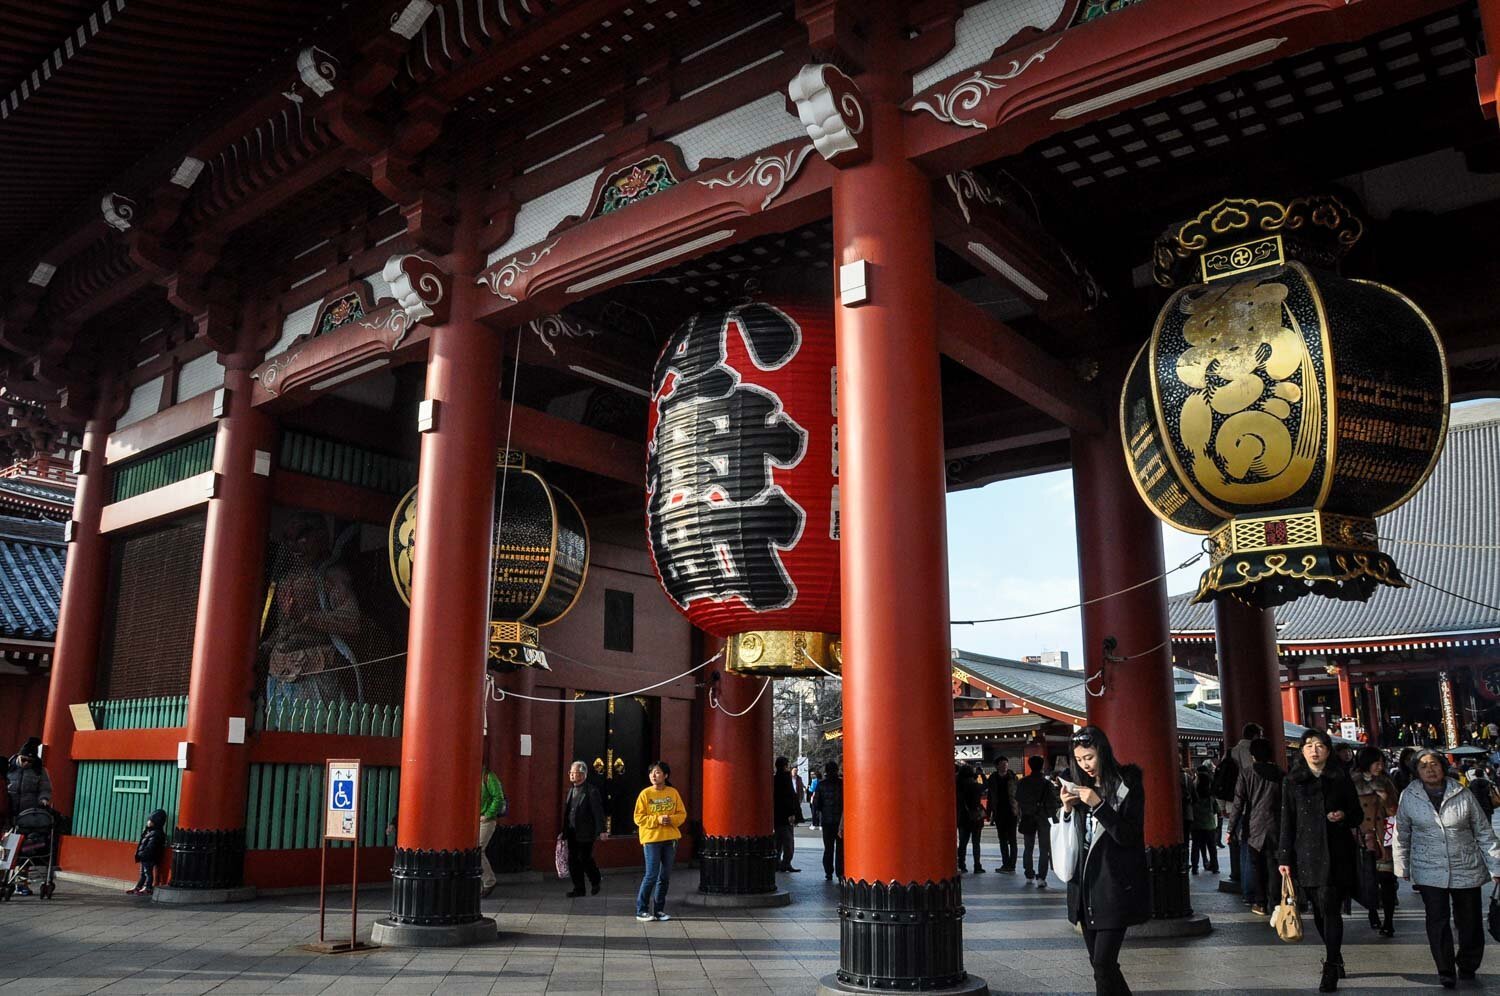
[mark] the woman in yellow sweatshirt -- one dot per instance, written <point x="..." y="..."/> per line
<point x="658" y="813"/>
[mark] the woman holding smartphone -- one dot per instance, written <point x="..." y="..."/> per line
<point x="1109" y="890"/>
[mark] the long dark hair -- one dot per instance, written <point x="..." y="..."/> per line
<point x="1109" y="776"/>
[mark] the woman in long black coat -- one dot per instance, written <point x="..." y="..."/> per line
<point x="1320" y="814"/>
<point x="1109" y="890"/>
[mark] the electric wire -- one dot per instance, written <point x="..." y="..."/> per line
<point x="500" y="694"/>
<point x="1090" y="601"/>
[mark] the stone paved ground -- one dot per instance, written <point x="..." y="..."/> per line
<point x="92" y="940"/>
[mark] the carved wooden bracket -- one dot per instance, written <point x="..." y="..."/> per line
<point x="423" y="293"/>
<point x="834" y="112"/>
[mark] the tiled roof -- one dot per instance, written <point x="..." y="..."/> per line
<point x="35" y="490"/>
<point x="31" y="572"/>
<point x="1061" y="691"/>
<point x="1458" y="509"/>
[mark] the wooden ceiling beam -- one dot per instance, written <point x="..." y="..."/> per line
<point x="575" y="445"/>
<point x="1007" y="359"/>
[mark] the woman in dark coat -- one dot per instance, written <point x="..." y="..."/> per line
<point x="1320" y="815"/>
<point x="1110" y="888"/>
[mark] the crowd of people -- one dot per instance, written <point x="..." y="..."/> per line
<point x="1343" y="824"/>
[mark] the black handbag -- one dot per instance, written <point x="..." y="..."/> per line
<point x="1495" y="913"/>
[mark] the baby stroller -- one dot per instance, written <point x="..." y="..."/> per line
<point x="37" y="848"/>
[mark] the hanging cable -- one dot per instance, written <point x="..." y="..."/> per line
<point x="1091" y="601"/>
<point x="1435" y="545"/>
<point x="1453" y="594"/>
<point x="713" y="700"/>
<point x="510" y="418"/>
<point x="500" y="695"/>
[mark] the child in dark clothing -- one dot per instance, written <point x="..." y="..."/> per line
<point x="148" y="852"/>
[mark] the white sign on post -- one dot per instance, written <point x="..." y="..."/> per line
<point x="1349" y="729"/>
<point x="342" y="816"/>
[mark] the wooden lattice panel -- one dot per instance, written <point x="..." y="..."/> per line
<point x="1261" y="102"/>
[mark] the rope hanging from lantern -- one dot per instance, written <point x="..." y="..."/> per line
<point x="497" y="694"/>
<point x="713" y="700"/>
<point x="809" y="658"/>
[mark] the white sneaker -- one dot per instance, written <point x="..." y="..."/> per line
<point x="664" y="916"/>
<point x="644" y="917"/>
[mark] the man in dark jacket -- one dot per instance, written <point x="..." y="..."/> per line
<point x="582" y="823"/>
<point x="1036" y="802"/>
<point x="27" y="783"/>
<point x="828" y="810"/>
<point x="785" y="810"/>
<point x="1001" y="798"/>
<point x="1257" y="806"/>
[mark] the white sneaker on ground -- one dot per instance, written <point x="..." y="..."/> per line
<point x="644" y="917"/>
<point x="663" y="916"/>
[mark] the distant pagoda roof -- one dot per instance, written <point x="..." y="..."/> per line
<point x="1448" y="535"/>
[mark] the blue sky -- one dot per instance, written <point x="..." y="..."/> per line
<point x="1011" y="549"/>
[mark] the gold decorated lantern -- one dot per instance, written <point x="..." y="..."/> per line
<point x="539" y="560"/>
<point x="1279" y="407"/>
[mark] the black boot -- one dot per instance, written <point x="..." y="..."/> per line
<point x="1330" y="980"/>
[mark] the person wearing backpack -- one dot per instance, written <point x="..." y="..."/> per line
<point x="1037" y="800"/>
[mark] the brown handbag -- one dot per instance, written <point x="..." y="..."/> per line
<point x="1286" y="921"/>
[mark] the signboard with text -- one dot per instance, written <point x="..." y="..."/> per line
<point x="341" y="815"/>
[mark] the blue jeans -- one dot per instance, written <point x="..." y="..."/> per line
<point x="659" y="858"/>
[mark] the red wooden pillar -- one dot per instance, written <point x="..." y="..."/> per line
<point x="1249" y="673"/>
<point x="1346" y="693"/>
<point x="737" y="853"/>
<point x="435" y="878"/>
<point x="896" y="654"/>
<point x="1119" y="546"/>
<point x="75" y="657"/>
<point x="1371" y="697"/>
<point x="208" y="846"/>
<point x="1291" y="702"/>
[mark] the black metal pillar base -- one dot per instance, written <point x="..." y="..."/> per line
<point x="830" y="985"/>
<point x="901" y="938"/>
<point x="737" y="866"/>
<point x="208" y="859"/>
<point x="510" y="849"/>
<point x="1171" y="892"/>
<point x="435" y="888"/>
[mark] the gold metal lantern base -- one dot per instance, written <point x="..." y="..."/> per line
<point x="784" y="654"/>
<point x="515" y="645"/>
<point x="1269" y="560"/>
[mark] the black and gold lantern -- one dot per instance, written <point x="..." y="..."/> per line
<point x="539" y="560"/>
<point x="1279" y="407"/>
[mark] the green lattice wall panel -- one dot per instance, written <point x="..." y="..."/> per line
<point x="364" y="719"/>
<point x="355" y="465"/>
<point x="285" y="806"/>
<point x="113" y="798"/>
<point x="140" y="714"/>
<point x="136" y="477"/>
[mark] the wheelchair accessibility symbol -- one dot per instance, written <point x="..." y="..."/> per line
<point x="343" y="795"/>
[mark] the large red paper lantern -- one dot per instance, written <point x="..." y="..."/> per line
<point x="742" y="496"/>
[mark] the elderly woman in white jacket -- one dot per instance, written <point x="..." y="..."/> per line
<point x="1447" y="848"/>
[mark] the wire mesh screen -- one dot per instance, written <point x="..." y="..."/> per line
<point x="333" y="628"/>
<point x="153" y="607"/>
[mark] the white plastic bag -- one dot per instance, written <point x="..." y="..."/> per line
<point x="1064" y="848"/>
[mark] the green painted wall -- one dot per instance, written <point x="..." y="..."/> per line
<point x="113" y="798"/>
<point x="136" y="477"/>
<point x="285" y="806"/>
